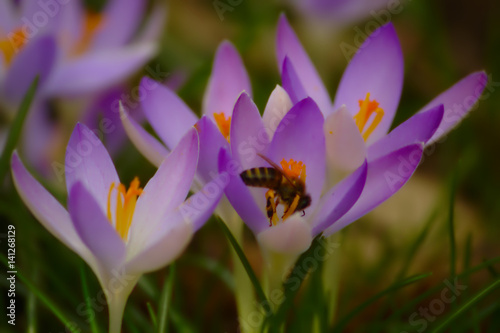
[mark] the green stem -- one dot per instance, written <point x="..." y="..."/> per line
<point x="331" y="275"/>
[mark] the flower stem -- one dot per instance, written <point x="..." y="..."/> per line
<point x="331" y="275"/>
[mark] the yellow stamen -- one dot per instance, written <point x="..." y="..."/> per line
<point x="125" y="206"/>
<point x="14" y="42"/>
<point x="294" y="169"/>
<point x="223" y="123"/>
<point x="92" y="23"/>
<point x="366" y="109"/>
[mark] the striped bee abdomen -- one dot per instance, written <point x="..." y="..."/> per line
<point x="262" y="177"/>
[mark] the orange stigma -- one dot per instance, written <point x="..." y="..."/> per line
<point x="125" y="206"/>
<point x="223" y="123"/>
<point x="366" y="109"/>
<point x="294" y="169"/>
<point x="92" y="23"/>
<point x="14" y="42"/>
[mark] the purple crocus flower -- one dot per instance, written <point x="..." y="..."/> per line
<point x="356" y="124"/>
<point x="170" y="117"/>
<point x="298" y="145"/>
<point x="76" y="53"/>
<point x="121" y="233"/>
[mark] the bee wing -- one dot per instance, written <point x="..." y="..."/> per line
<point x="277" y="167"/>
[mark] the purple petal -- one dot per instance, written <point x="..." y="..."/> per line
<point x="199" y="207"/>
<point x="169" y="116"/>
<point x="277" y="106"/>
<point x="345" y="147"/>
<point x="170" y="240"/>
<point x="88" y="162"/>
<point x="98" y="70"/>
<point x="211" y="141"/>
<point x="94" y="228"/>
<point x="168" y="188"/>
<point x="239" y="194"/>
<point x="248" y="136"/>
<point x="47" y="209"/>
<point x="292" y="82"/>
<point x="300" y="137"/>
<point x="386" y="175"/>
<point x="8" y="18"/>
<point x="147" y="144"/>
<point x="337" y="201"/>
<point x="377" y="68"/>
<point x="37" y="58"/>
<point x="458" y="101"/>
<point x="418" y="129"/>
<point x="292" y="237"/>
<point x="121" y="20"/>
<point x="288" y="45"/>
<point x="154" y="25"/>
<point x="228" y="80"/>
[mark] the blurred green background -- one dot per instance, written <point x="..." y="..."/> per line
<point x="442" y="42"/>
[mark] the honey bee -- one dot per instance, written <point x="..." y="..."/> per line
<point x="289" y="190"/>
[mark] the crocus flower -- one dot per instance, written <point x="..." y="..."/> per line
<point x="76" y="53"/>
<point x="297" y="145"/>
<point x="170" y="117"/>
<point x="357" y="123"/>
<point x="121" y="233"/>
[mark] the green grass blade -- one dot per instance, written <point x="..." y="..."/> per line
<point x="292" y="287"/>
<point x="451" y="224"/>
<point x="31" y="311"/>
<point x="345" y="320"/>
<point x="152" y="314"/>
<point x="44" y="299"/>
<point x="165" y="298"/>
<point x="467" y="305"/>
<point x="212" y="266"/>
<point x="16" y="128"/>
<point x="85" y="288"/>
<point x="244" y="261"/>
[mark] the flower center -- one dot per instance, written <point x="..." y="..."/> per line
<point x="125" y="206"/>
<point x="366" y="109"/>
<point x="223" y="123"/>
<point x="12" y="44"/>
<point x="92" y="23"/>
<point x="294" y="169"/>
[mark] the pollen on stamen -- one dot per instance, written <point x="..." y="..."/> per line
<point x="294" y="169"/>
<point x="92" y="23"/>
<point x="14" y="42"/>
<point x="223" y="123"/>
<point x="368" y="107"/>
<point x="125" y="206"/>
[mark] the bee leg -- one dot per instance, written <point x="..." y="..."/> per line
<point x="303" y="213"/>
<point x="271" y="207"/>
<point x="291" y="209"/>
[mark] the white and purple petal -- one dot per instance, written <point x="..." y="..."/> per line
<point x="87" y="161"/>
<point x="377" y="68"/>
<point x="228" y="80"/>
<point x="418" y="129"/>
<point x="288" y="45"/>
<point x="167" y="113"/>
<point x="386" y="175"/>
<point x="277" y="106"/>
<point x="94" y="229"/>
<point x="458" y="101"/>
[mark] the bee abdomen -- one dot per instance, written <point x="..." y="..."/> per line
<point x="261" y="177"/>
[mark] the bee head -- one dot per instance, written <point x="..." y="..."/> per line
<point x="304" y="202"/>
